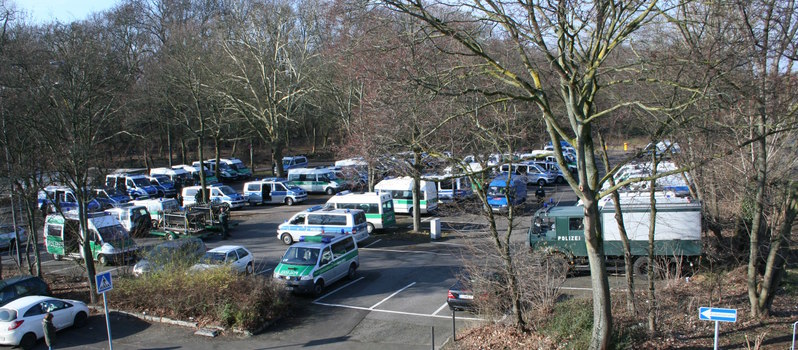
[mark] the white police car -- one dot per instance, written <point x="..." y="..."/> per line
<point x="319" y="221"/>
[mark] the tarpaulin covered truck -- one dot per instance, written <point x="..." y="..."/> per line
<point x="558" y="230"/>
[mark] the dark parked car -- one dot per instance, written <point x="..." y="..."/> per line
<point x="460" y="297"/>
<point x="491" y="292"/>
<point x="186" y="250"/>
<point x="21" y="286"/>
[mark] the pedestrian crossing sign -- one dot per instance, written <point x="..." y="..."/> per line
<point x="104" y="282"/>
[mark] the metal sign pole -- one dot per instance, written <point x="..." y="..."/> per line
<point x="111" y="345"/>
<point x="717" y="325"/>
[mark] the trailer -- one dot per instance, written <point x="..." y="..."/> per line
<point x="677" y="235"/>
<point x="197" y="220"/>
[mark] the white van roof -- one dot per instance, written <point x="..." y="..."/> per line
<point x="404" y="183"/>
<point x="365" y="197"/>
<point x="309" y="171"/>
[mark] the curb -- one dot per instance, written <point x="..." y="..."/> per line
<point x="186" y="324"/>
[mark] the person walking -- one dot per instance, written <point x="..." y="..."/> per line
<point x="49" y="330"/>
<point x="540" y="194"/>
<point x="223" y="219"/>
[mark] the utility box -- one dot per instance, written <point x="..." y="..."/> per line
<point x="435" y="228"/>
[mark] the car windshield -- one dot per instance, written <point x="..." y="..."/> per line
<point x="141" y="182"/>
<point x="497" y="190"/>
<point x="227" y="190"/>
<point x="162" y="179"/>
<point x="214" y="257"/>
<point x="234" y="166"/>
<point x="301" y="256"/>
<point x="286" y="161"/>
<point x="112" y="233"/>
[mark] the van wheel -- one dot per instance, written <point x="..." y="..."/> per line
<point x="287" y="239"/>
<point x="370" y="227"/>
<point x="318" y="287"/>
<point x="289" y="201"/>
<point x="352" y="272"/>
<point x="541" y="182"/>
<point x="330" y="191"/>
<point x="103" y="260"/>
<point x="250" y="269"/>
<point x="170" y="236"/>
<point x="560" y="180"/>
<point x="28" y="341"/>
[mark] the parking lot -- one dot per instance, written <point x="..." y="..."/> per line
<point x="397" y="298"/>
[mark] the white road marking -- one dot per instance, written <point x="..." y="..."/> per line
<point x="404" y="251"/>
<point x="66" y="268"/>
<point x="391" y="296"/>
<point x="439" y="309"/>
<point x="575" y="288"/>
<point x="447" y="243"/>
<point x="337" y="289"/>
<point x="372" y="243"/>
<point x="397" y="312"/>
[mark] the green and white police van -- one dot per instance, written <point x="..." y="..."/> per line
<point x="316" y="180"/>
<point x="316" y="262"/>
<point x="378" y="207"/>
<point x="318" y="221"/>
<point x="401" y="190"/>
<point x="109" y="241"/>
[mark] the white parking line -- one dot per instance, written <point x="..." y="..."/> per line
<point x="337" y="289"/>
<point x="391" y="296"/>
<point x="448" y="243"/>
<point x="575" y="288"/>
<point x="397" y="312"/>
<point x="404" y="251"/>
<point x="372" y="243"/>
<point x="66" y="268"/>
<point x="439" y="309"/>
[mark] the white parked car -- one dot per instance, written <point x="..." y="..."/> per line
<point x="238" y="257"/>
<point x="21" y="319"/>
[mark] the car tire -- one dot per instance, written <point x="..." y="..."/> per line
<point x="161" y="194"/>
<point x="28" y="341"/>
<point x="318" y="287"/>
<point x="352" y="272"/>
<point x="560" y="180"/>
<point x="542" y="182"/>
<point x="170" y="236"/>
<point x="289" y="201"/>
<point x="330" y="191"/>
<point x="287" y="239"/>
<point x="103" y="260"/>
<point x="80" y="320"/>
<point x="369" y="227"/>
<point x="250" y="269"/>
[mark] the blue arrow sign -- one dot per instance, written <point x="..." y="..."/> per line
<point x="103" y="282"/>
<point x="717" y="314"/>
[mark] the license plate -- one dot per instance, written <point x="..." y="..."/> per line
<point x="466" y="296"/>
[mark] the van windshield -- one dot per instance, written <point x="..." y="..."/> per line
<point x="112" y="233"/>
<point x="497" y="190"/>
<point x="301" y="256"/>
<point x="141" y="182"/>
<point x="326" y="177"/>
<point x="162" y="179"/>
<point x="227" y="190"/>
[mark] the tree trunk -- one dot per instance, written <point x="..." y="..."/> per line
<point x="216" y="156"/>
<point x="182" y="150"/>
<point x="416" y="191"/>
<point x="631" y="302"/>
<point x="760" y="166"/>
<point x="88" y="258"/>
<point x="252" y="155"/>
<point x="169" y="143"/>
<point x="203" y="184"/>
<point x="652" y="298"/>
<point x="779" y="248"/>
<point x="34" y="240"/>
<point x="372" y="176"/>
<point x="277" y="159"/>
<point x="313" y="140"/>
<point x="235" y="148"/>
<point x="594" y="242"/>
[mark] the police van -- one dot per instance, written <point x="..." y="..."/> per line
<point x="278" y="191"/>
<point x="378" y="207"/>
<point x="318" y="221"/>
<point x="316" y="262"/>
<point x="109" y="241"/>
<point x="316" y="180"/>
<point x="452" y="187"/>
<point x="216" y="193"/>
<point x="401" y="190"/>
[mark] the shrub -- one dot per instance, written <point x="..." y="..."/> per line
<point x="216" y="296"/>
